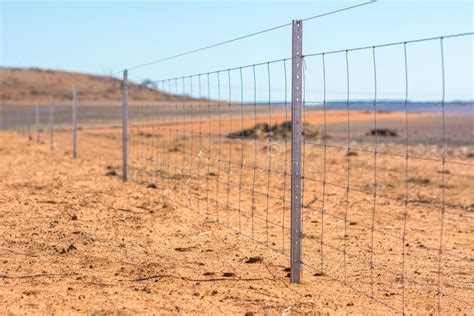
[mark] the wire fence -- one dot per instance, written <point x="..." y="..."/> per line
<point x="386" y="195"/>
<point x="382" y="198"/>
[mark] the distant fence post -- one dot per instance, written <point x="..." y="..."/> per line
<point x="37" y="123"/>
<point x="2" y="119"/>
<point x="51" y="125"/>
<point x="74" y="122"/>
<point x="28" y="123"/>
<point x="17" y="121"/>
<point x="296" y="136"/>
<point x="124" y="124"/>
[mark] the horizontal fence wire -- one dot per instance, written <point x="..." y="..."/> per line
<point x="274" y="28"/>
<point x="387" y="185"/>
<point x="214" y="142"/>
<point x="371" y="201"/>
<point x="376" y="205"/>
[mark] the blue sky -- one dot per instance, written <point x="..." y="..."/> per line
<point x="104" y="37"/>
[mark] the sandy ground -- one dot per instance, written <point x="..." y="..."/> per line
<point x="134" y="249"/>
<point x="130" y="250"/>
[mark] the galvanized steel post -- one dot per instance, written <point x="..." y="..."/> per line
<point x="37" y="122"/>
<point x="74" y="122"/>
<point x="51" y="125"/>
<point x="28" y="124"/>
<point x="124" y="124"/>
<point x="17" y="121"/>
<point x="296" y="137"/>
<point x="2" y="119"/>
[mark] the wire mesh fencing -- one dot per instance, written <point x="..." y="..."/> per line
<point x="386" y="161"/>
<point x="387" y="184"/>
<point x="217" y="143"/>
<point x="45" y="123"/>
<point x="98" y="134"/>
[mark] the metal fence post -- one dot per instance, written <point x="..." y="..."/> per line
<point x="74" y="122"/>
<point x="51" y="125"/>
<point x="28" y="124"/>
<point x="124" y="123"/>
<point x="37" y="123"/>
<point x="17" y="121"/>
<point x="2" y="118"/>
<point x="296" y="136"/>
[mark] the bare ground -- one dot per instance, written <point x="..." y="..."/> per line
<point x="131" y="250"/>
<point x="137" y="250"/>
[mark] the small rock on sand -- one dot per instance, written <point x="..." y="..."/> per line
<point x="386" y="132"/>
<point x="256" y="259"/>
<point x="111" y="173"/>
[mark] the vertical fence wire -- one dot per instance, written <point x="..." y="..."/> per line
<point x="413" y="288"/>
<point x="374" y="206"/>
<point x="443" y="171"/>
<point x="406" y="197"/>
<point x="220" y="140"/>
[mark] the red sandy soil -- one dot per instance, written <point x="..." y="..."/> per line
<point x="131" y="249"/>
<point x="78" y="241"/>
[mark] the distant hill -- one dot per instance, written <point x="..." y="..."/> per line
<point x="32" y="85"/>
